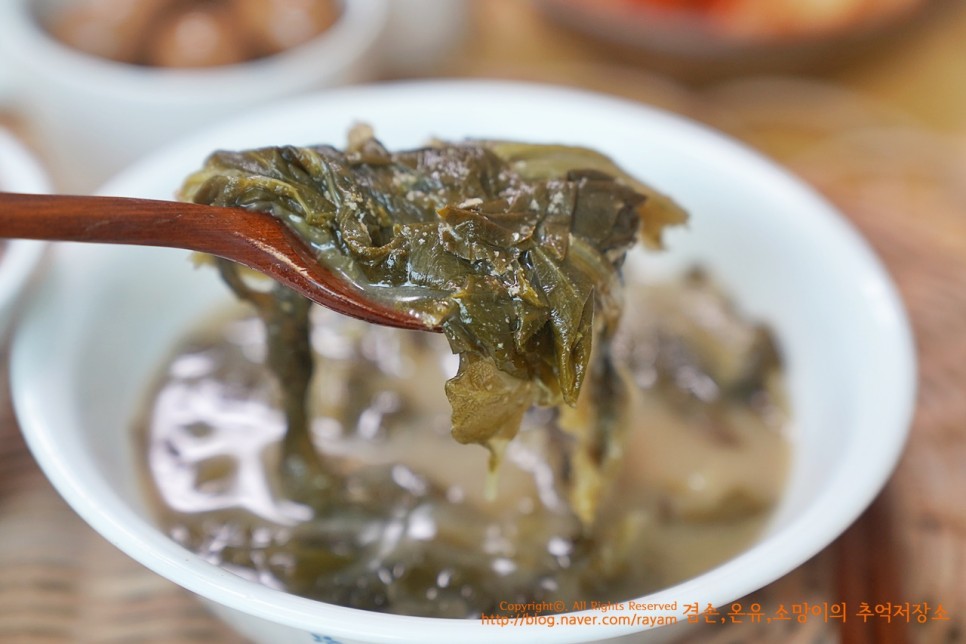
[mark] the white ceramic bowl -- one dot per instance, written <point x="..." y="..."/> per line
<point x="784" y="253"/>
<point x="94" y="116"/>
<point x="19" y="172"/>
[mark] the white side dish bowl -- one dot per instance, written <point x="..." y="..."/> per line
<point x="106" y="317"/>
<point x="93" y="116"/>
<point x="19" y="172"/>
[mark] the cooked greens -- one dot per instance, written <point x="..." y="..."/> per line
<point x="513" y="249"/>
<point x="400" y="525"/>
<point x="651" y="449"/>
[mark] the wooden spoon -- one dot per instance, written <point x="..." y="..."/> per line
<point x="255" y="239"/>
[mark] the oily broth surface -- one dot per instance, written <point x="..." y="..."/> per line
<point x="411" y="532"/>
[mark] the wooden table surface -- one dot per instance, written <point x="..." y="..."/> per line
<point x="884" y="137"/>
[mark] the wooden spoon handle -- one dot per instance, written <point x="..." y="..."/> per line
<point x="255" y="239"/>
<point x="119" y="220"/>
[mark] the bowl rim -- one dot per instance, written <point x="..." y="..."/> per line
<point x="759" y="565"/>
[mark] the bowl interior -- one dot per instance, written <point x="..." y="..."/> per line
<point x="107" y="316"/>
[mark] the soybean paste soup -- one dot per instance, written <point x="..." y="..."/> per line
<point x="407" y="526"/>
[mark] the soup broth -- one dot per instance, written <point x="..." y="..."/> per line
<point x="404" y="523"/>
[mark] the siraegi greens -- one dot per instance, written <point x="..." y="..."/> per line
<point x="513" y="249"/>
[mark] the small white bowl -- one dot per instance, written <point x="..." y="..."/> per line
<point x="19" y="172"/>
<point x="107" y="316"/>
<point x="93" y="116"/>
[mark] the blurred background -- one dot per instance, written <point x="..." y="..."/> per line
<point x="864" y="99"/>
